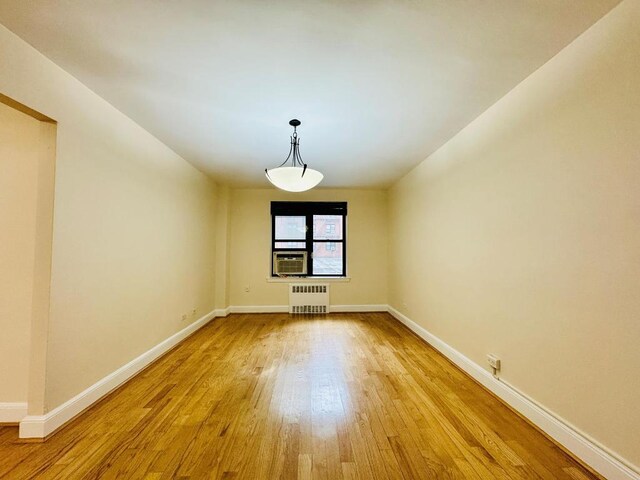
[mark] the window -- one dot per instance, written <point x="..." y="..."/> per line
<point x="317" y="228"/>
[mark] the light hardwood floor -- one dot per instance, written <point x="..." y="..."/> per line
<point x="275" y="396"/>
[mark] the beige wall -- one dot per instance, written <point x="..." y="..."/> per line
<point x="19" y="150"/>
<point x="222" y="248"/>
<point x="134" y="236"/>
<point x="250" y="246"/>
<point x="521" y="236"/>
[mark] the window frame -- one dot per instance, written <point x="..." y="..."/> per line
<point x="308" y="210"/>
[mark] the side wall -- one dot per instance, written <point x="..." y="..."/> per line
<point x="250" y="247"/>
<point x="134" y="236"/>
<point x="521" y="235"/>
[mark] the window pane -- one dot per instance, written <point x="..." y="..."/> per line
<point x="327" y="227"/>
<point x="327" y="258"/>
<point x="290" y="245"/>
<point x="290" y="228"/>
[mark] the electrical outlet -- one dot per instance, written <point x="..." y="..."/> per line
<point x="184" y="317"/>
<point x="247" y="289"/>
<point x="494" y="363"/>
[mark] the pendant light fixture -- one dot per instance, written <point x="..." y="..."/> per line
<point x="298" y="177"/>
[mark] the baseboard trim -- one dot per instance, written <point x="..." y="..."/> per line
<point x="285" y="308"/>
<point x="222" y="312"/>
<point x="258" y="309"/>
<point x="12" y="412"/>
<point x="40" y="426"/>
<point x="589" y="451"/>
<point x="358" y="308"/>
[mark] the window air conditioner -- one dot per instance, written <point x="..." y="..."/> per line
<point x="290" y="263"/>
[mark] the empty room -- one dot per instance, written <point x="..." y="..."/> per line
<point x="363" y="239"/>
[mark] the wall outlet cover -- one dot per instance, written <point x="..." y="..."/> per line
<point x="494" y="361"/>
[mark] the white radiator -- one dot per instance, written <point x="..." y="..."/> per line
<point x="309" y="298"/>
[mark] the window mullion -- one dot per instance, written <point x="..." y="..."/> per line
<point x="309" y="232"/>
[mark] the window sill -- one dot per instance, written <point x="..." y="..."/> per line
<point x="308" y="279"/>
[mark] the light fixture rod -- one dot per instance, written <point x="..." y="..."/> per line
<point x="294" y="150"/>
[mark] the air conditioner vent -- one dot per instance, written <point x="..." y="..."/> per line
<point x="290" y="263"/>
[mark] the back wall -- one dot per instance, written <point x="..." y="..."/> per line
<point x="250" y="246"/>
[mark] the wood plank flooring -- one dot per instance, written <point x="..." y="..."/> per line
<point x="276" y="396"/>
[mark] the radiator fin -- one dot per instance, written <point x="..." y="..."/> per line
<point x="309" y="309"/>
<point x="309" y="298"/>
<point x="309" y="288"/>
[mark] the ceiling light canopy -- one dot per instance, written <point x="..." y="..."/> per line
<point x="298" y="177"/>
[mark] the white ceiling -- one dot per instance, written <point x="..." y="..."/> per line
<point x="377" y="84"/>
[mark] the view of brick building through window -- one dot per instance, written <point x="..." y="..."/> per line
<point x="327" y="256"/>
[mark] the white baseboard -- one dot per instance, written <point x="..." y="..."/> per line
<point x="588" y="450"/>
<point x="12" y="412"/>
<point x="358" y="308"/>
<point x="258" y="308"/>
<point x="285" y="308"/>
<point x="222" y="312"/>
<point x="39" y="426"/>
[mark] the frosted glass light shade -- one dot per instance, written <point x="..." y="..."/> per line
<point x="291" y="179"/>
